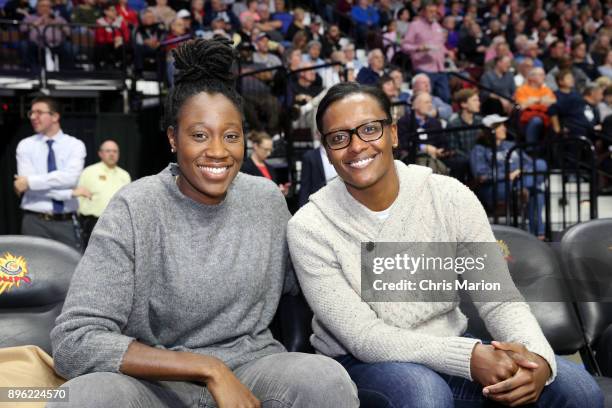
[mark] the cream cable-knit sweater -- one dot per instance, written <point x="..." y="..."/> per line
<point x="324" y="240"/>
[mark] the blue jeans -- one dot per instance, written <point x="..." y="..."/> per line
<point x="399" y="385"/>
<point x="533" y="184"/>
<point x="533" y="130"/>
<point x="439" y="85"/>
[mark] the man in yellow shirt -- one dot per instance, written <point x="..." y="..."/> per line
<point x="97" y="185"/>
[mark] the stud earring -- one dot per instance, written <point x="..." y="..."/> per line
<point x="172" y="150"/>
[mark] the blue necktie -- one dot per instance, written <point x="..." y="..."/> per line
<point x="58" y="206"/>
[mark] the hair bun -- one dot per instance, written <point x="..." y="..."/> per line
<point x="199" y="60"/>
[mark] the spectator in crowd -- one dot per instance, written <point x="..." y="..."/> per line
<point x="164" y="13"/>
<point x="247" y="28"/>
<point x="54" y="37"/>
<point x="534" y="97"/>
<point x="251" y="10"/>
<point x="86" y="13"/>
<point x="17" y="9"/>
<point x="606" y="68"/>
<point x="280" y="14"/>
<point x="581" y="79"/>
<point x="218" y="9"/>
<point x="554" y="54"/>
<point x="197" y="17"/>
<point x="352" y="62"/>
<point x="256" y="165"/>
<point x="600" y="48"/>
<point x="119" y="339"/>
<point x="334" y="74"/>
<point x="462" y="141"/>
<point x="267" y="24"/>
<point x="365" y="18"/>
<point x="147" y="40"/>
<point x="387" y="84"/>
<point x="300" y="41"/>
<point x="371" y="74"/>
<point x="316" y="172"/>
<point x="605" y="106"/>
<point x="297" y="24"/>
<point x="570" y="109"/>
<point x="529" y="49"/>
<point x="313" y="53"/>
<point x="403" y="21"/>
<point x="97" y="184"/>
<point x="111" y="37"/>
<point x="262" y="55"/>
<point x="390" y="40"/>
<point x="583" y="60"/>
<point x="48" y="167"/>
<point x="481" y="162"/>
<point x="452" y="35"/>
<point x="424" y="42"/>
<point x="441" y="109"/>
<point x="385" y="12"/>
<point x="177" y="34"/>
<point x="593" y="96"/>
<point x="474" y="46"/>
<point x="500" y="80"/>
<point x="314" y="29"/>
<point x="185" y="15"/>
<point x="522" y="71"/>
<point x="61" y="8"/>
<point x="307" y="92"/>
<point x="398" y="80"/>
<point x="392" y="352"/>
<point x="127" y="13"/>
<point x="331" y="41"/>
<point x="431" y="148"/>
<point x="498" y="48"/>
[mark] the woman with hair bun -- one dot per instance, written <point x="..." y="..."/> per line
<point x="171" y="303"/>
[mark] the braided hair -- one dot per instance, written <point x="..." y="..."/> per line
<point x="202" y="66"/>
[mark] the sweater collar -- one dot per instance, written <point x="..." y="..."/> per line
<point x="353" y="218"/>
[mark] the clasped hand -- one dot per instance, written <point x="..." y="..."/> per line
<point x="509" y="373"/>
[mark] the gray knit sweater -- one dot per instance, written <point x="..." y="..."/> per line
<point x="324" y="239"/>
<point x="179" y="275"/>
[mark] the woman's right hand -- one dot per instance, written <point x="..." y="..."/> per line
<point x="489" y="366"/>
<point x="228" y="391"/>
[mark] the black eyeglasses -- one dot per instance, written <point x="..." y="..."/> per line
<point x="368" y="132"/>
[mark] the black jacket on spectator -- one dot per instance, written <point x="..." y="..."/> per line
<point x="409" y="141"/>
<point x="14" y="9"/>
<point x="210" y="16"/>
<point x="249" y="167"/>
<point x="570" y="108"/>
<point x="367" y="76"/>
<point x="328" y="46"/>
<point x="312" y="175"/>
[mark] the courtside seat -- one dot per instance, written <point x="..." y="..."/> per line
<point x="35" y="275"/>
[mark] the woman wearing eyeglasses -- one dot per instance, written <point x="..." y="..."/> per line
<point x="410" y="354"/>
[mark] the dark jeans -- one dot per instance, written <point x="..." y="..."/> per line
<point x="399" y="385"/>
<point x="88" y="222"/>
<point x="33" y="56"/>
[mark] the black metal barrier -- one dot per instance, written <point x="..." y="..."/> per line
<point x="562" y="157"/>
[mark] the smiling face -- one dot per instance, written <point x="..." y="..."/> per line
<point x="363" y="166"/>
<point x="209" y="144"/>
<point x="43" y="120"/>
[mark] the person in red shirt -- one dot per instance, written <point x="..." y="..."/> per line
<point x="111" y="35"/>
<point x="129" y="15"/>
<point x="256" y="163"/>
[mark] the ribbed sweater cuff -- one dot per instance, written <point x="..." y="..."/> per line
<point x="458" y="356"/>
<point x="547" y="353"/>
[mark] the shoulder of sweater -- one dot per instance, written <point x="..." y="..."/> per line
<point x="259" y="189"/>
<point x="145" y="190"/>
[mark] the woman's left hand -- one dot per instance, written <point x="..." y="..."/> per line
<point x="526" y="385"/>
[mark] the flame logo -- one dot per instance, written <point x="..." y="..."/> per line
<point x="13" y="271"/>
<point x="505" y="250"/>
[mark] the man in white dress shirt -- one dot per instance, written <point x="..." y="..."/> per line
<point x="48" y="167"/>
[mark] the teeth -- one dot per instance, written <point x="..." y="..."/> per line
<point x="214" y="170"/>
<point x="360" y="164"/>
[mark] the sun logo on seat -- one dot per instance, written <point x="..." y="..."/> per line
<point x="505" y="250"/>
<point x="13" y="271"/>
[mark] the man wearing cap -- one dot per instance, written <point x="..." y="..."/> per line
<point x="263" y="54"/>
<point x="425" y="43"/>
<point x="218" y="9"/>
<point x="48" y="166"/>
